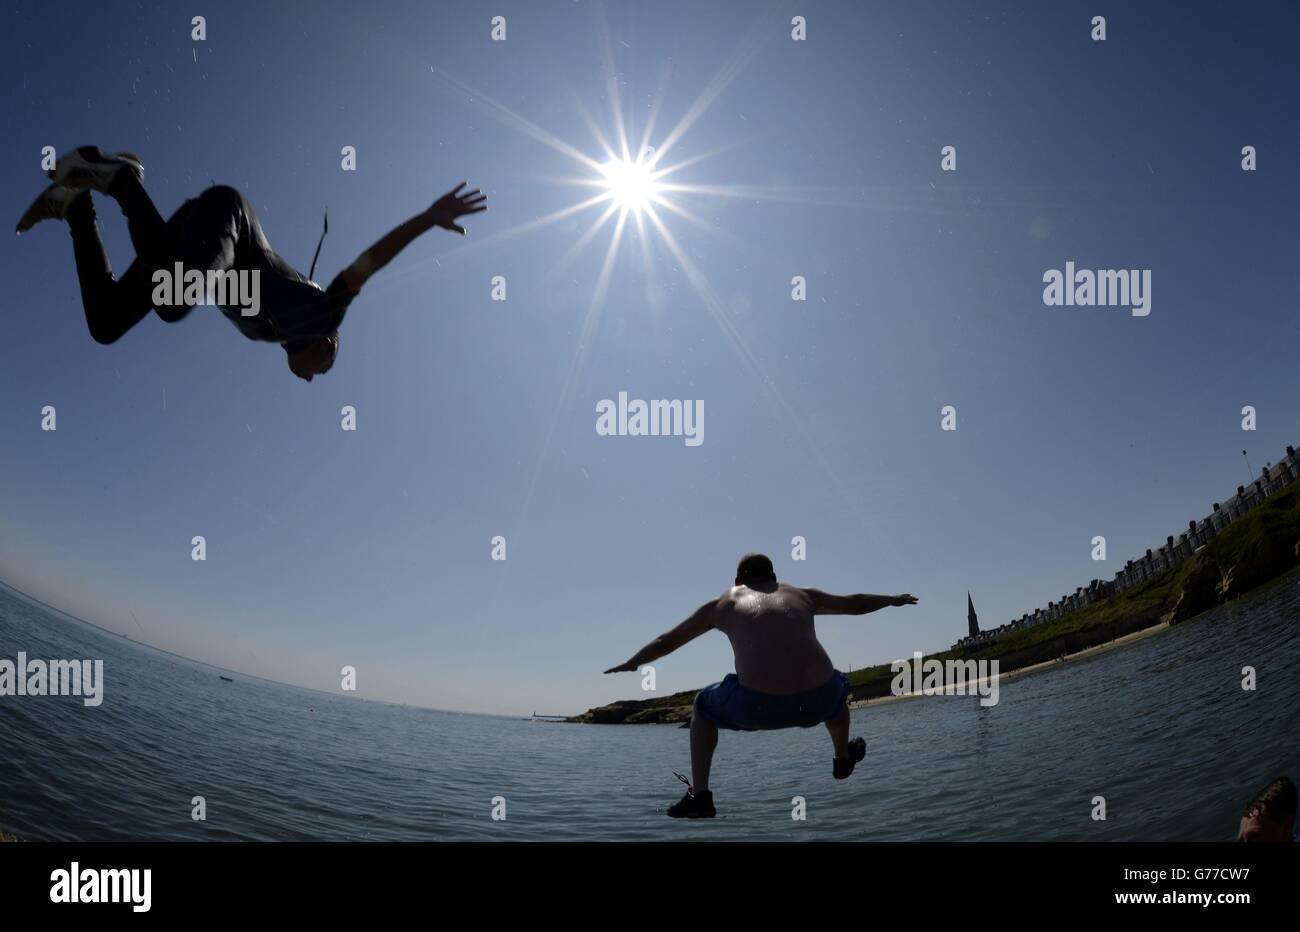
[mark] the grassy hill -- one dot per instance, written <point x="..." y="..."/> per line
<point x="1258" y="547"/>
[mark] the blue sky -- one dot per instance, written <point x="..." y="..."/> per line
<point x="372" y="548"/>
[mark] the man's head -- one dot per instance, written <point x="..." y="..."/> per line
<point x="755" y="570"/>
<point x="1270" y="816"/>
<point x="312" y="357"/>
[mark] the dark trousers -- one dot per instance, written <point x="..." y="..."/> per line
<point x="215" y="231"/>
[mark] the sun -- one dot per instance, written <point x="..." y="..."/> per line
<point x="632" y="185"/>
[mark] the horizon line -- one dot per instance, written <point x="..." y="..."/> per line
<point x="252" y="676"/>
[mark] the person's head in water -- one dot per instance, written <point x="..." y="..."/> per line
<point x="755" y="571"/>
<point x="312" y="357"/>
<point x="1270" y="816"/>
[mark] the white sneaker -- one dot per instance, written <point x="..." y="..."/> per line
<point x="52" y="204"/>
<point x="88" y="167"/>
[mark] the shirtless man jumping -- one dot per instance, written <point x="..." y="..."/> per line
<point x="783" y="677"/>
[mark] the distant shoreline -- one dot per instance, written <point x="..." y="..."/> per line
<point x="677" y="708"/>
<point x="1123" y="641"/>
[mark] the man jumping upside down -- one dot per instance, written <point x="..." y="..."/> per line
<point x="783" y="678"/>
<point x="217" y="231"/>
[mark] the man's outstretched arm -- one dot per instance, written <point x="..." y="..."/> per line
<point x="442" y="213"/>
<point x="826" y="604"/>
<point x="704" y="618"/>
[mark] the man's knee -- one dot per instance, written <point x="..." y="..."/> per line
<point x="110" y="316"/>
<point x="105" y="334"/>
<point x="698" y="716"/>
<point x="173" y="314"/>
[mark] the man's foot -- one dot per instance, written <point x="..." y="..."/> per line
<point x="693" y="806"/>
<point x="52" y="204"/>
<point x="88" y="167"/>
<point x="857" y="751"/>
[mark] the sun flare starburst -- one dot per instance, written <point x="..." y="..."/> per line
<point x="632" y="184"/>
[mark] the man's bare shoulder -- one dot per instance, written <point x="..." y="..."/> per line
<point x="727" y="601"/>
<point x="795" y="595"/>
<point x="723" y="608"/>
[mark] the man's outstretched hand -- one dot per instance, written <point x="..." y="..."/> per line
<point x="628" y="667"/>
<point x="455" y="204"/>
<point x="902" y="600"/>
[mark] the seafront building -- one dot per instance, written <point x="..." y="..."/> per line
<point x="1175" y="550"/>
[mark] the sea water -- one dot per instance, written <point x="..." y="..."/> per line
<point x="1161" y="729"/>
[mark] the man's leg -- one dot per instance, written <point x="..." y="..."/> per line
<point x="848" y="754"/>
<point x="704" y="739"/>
<point x="148" y="231"/>
<point x="207" y="233"/>
<point x="112" y="307"/>
<point x="698" y="801"/>
<point x="839" y="729"/>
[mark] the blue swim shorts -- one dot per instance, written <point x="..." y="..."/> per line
<point x="730" y="705"/>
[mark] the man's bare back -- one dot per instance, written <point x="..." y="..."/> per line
<point x="773" y="638"/>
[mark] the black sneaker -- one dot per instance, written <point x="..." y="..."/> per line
<point x="693" y="806"/>
<point x="857" y="751"/>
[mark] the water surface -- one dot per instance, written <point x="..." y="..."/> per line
<point x="1161" y="729"/>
